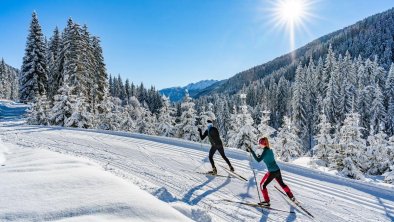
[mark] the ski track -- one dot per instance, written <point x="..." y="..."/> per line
<point x="170" y="164"/>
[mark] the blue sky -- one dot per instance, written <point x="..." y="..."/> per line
<point x="175" y="42"/>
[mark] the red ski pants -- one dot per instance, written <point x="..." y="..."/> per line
<point x="268" y="177"/>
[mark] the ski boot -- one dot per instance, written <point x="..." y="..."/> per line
<point x="264" y="203"/>
<point x="213" y="171"/>
<point x="231" y="168"/>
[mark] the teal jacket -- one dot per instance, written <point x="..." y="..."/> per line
<point x="268" y="157"/>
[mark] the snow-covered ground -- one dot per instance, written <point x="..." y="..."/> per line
<point x="165" y="168"/>
<point x="41" y="185"/>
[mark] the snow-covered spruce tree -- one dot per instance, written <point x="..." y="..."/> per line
<point x="331" y="101"/>
<point x="377" y="154"/>
<point x="264" y="129"/>
<point x="328" y="68"/>
<point x="54" y="47"/>
<point x="80" y="117"/>
<point x="112" y="116"/>
<point x="389" y="174"/>
<point x="166" y="120"/>
<point x="351" y="170"/>
<point x="324" y="146"/>
<point x="287" y="144"/>
<point x="147" y="121"/>
<point x="225" y="122"/>
<point x="3" y="80"/>
<point x="283" y="94"/>
<point x="389" y="96"/>
<point x="353" y="145"/>
<point x="100" y="76"/>
<point x="242" y="134"/>
<point x="127" y="122"/>
<point x="62" y="106"/>
<point x="34" y="78"/>
<point x="299" y="106"/>
<point x="39" y="111"/>
<point x="186" y="128"/>
<point x="365" y="98"/>
<point x="378" y="112"/>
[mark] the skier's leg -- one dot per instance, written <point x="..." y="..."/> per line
<point x="263" y="185"/>
<point x="283" y="185"/>
<point x="221" y="151"/>
<point x="211" y="153"/>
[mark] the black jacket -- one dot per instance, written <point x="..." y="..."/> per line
<point x="213" y="136"/>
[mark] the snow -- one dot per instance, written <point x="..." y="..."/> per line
<point x="43" y="185"/>
<point x="165" y="168"/>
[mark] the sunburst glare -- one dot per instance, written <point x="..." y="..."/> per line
<point x="290" y="15"/>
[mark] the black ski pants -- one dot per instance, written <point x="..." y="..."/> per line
<point x="221" y="151"/>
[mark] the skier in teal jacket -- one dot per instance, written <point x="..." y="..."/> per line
<point x="273" y="171"/>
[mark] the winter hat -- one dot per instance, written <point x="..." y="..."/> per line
<point x="209" y="121"/>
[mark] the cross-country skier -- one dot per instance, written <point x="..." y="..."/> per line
<point x="273" y="171"/>
<point x="216" y="144"/>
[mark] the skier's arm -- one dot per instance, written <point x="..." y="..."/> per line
<point x="202" y="136"/>
<point x="257" y="158"/>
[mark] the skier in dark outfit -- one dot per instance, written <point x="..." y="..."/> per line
<point x="273" y="171"/>
<point x="216" y="144"/>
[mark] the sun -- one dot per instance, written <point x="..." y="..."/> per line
<point x="290" y="16"/>
<point x="291" y="11"/>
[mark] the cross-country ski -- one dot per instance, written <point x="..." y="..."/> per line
<point x="295" y="202"/>
<point x="256" y="205"/>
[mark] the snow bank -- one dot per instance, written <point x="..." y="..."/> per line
<point x="40" y="185"/>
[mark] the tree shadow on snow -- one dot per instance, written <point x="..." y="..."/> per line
<point x="189" y="195"/>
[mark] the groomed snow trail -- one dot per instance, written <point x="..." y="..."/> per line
<point x="166" y="168"/>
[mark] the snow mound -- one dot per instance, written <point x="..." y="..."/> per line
<point x="40" y="185"/>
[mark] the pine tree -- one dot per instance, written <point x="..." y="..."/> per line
<point x="377" y="154"/>
<point x="63" y="104"/>
<point x="264" y="129"/>
<point x="378" y="114"/>
<point x="389" y="95"/>
<point x="34" y="78"/>
<point x="329" y="64"/>
<point x="3" y="80"/>
<point x="186" y="128"/>
<point x="166" y="119"/>
<point x="331" y="106"/>
<point x="287" y="145"/>
<point x="101" y="76"/>
<point x="324" y="146"/>
<point x="351" y="141"/>
<point x="242" y="135"/>
<point x="54" y="48"/>
<point x="39" y="111"/>
<point x="299" y="105"/>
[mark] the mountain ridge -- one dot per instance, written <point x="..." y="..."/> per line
<point x="359" y="38"/>
<point x="177" y="93"/>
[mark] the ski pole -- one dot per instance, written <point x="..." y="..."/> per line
<point x="254" y="174"/>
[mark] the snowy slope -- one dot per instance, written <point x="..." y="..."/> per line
<point x="166" y="168"/>
<point x="38" y="185"/>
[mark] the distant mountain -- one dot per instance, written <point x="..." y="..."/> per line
<point x="177" y="93"/>
<point x="373" y="36"/>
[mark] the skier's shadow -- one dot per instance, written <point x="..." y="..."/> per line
<point x="251" y="185"/>
<point x="188" y="196"/>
